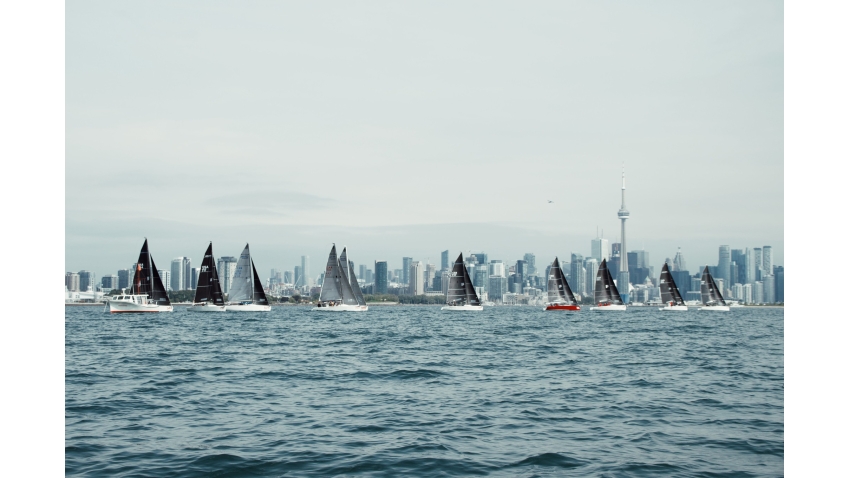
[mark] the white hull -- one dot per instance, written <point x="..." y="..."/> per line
<point x="116" y="307"/>
<point x="206" y="307"/>
<point x="343" y="308"/>
<point x="463" y="307"/>
<point x="610" y="308"/>
<point x="675" y="308"/>
<point x="248" y="308"/>
<point x="715" y="308"/>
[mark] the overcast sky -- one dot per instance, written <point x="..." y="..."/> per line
<point x="404" y="129"/>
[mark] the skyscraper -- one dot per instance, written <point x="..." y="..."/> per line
<point x="576" y="279"/>
<point x="751" y="265"/>
<point x="591" y="268"/>
<point x="196" y="272"/>
<point x="779" y="281"/>
<point x="362" y="274"/>
<point x="416" y="276"/>
<point x="165" y="277"/>
<point x="124" y="278"/>
<point x="757" y="269"/>
<point x="530" y="260"/>
<point x="497" y="268"/>
<point x="109" y="282"/>
<point x="405" y="269"/>
<point x="767" y="260"/>
<point x="305" y="271"/>
<point x="599" y="249"/>
<point x="481" y="277"/>
<point x="86" y="281"/>
<point x="623" y="214"/>
<point x="299" y="277"/>
<point x="380" y="277"/>
<point x="181" y="273"/>
<point x="72" y="281"/>
<point x="444" y="261"/>
<point x="724" y="264"/>
<point x="226" y="268"/>
<point x="769" y="289"/>
<point x="679" y="261"/>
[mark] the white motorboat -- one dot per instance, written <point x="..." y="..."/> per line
<point x="208" y="296"/>
<point x="712" y="300"/>
<point x="670" y="295"/>
<point x="461" y="295"/>
<point x="148" y="293"/>
<point x="340" y="291"/>
<point x="246" y="289"/>
<point x="605" y="293"/>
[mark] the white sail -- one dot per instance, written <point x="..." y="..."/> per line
<point x="348" y="297"/>
<point x="241" y="286"/>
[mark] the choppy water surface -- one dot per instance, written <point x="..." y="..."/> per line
<point x="511" y="391"/>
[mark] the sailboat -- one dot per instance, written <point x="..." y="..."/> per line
<point x="347" y="268"/>
<point x="461" y="294"/>
<point x="208" y="296"/>
<point x="712" y="300"/>
<point x="669" y="292"/>
<point x="246" y="291"/>
<point x="148" y="293"/>
<point x="560" y="295"/>
<point x="337" y="295"/>
<point x="605" y="294"/>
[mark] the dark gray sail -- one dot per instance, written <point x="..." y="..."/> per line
<point x="143" y="276"/>
<point x="611" y="287"/>
<point x="471" y="296"/>
<point x="708" y="290"/>
<point x="558" y="288"/>
<point x="209" y="289"/>
<point x="600" y="292"/>
<point x="456" y="294"/>
<point x="669" y="291"/>
<point x="331" y="289"/>
<point x="355" y="286"/>
<point x="259" y="293"/>
<point x="158" y="293"/>
<point x="348" y="297"/>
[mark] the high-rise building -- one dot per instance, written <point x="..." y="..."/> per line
<point x="299" y="277"/>
<point x="779" y="283"/>
<point x="362" y="274"/>
<point x="181" y="273"/>
<point x="306" y="279"/>
<point x="769" y="289"/>
<point x="444" y="280"/>
<point x="444" y="261"/>
<point x="591" y="268"/>
<point x="767" y="259"/>
<point x="288" y="277"/>
<point x="369" y="276"/>
<point x="72" y="281"/>
<point x="165" y="277"/>
<point x="87" y="281"/>
<point x="724" y="264"/>
<point x="497" y="268"/>
<point x="679" y="261"/>
<point x="480" y="257"/>
<point x="530" y="260"/>
<point x="109" y="282"/>
<point x="623" y="214"/>
<point x="124" y="278"/>
<point x="758" y="260"/>
<point x="747" y="295"/>
<point x="381" y="277"/>
<point x="521" y="273"/>
<point x="615" y="249"/>
<point x="405" y="269"/>
<point x="416" y="278"/>
<point x="683" y="281"/>
<point x="576" y="279"/>
<point x="226" y="268"/>
<point x="196" y="272"/>
<point x="481" y="277"/>
<point x="430" y="271"/>
<point x="752" y="267"/>
<point x="758" y="292"/>
<point x="599" y="249"/>
<point x="497" y="287"/>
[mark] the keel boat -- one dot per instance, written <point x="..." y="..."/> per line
<point x="246" y="290"/>
<point x="461" y="294"/>
<point x="208" y="296"/>
<point x="148" y="293"/>
<point x="712" y="300"/>
<point x="605" y="294"/>
<point x="337" y="295"/>
<point x="670" y="293"/>
<point x="560" y="295"/>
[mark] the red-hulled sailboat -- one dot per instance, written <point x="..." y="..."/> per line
<point x="560" y="295"/>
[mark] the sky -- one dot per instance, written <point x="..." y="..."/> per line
<point x="405" y="129"/>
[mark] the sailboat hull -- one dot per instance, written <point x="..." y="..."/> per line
<point x="563" y="307"/>
<point x="119" y="307"/>
<point x="463" y="307"/>
<point x="343" y="308"/>
<point x="715" y="308"/>
<point x="248" y="308"/>
<point x="206" y="307"/>
<point x="674" y="308"/>
<point x="609" y="308"/>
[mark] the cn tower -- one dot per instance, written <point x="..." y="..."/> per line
<point x="623" y="278"/>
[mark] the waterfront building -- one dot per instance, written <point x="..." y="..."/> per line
<point x="179" y="278"/>
<point x="430" y="272"/>
<point x="758" y="262"/>
<point x="497" y="268"/>
<point x="444" y="261"/>
<point x="623" y="215"/>
<point x="576" y="279"/>
<point x="87" y="281"/>
<point x="288" y="277"/>
<point x="498" y="287"/>
<point x="747" y="293"/>
<point x="521" y="271"/>
<point x="299" y="277"/>
<point x="416" y="278"/>
<point x="109" y="282"/>
<point x="481" y="278"/>
<point x="380" y="277"/>
<point x="362" y="274"/>
<point x="165" y="277"/>
<point x="750" y="255"/>
<point x="724" y="264"/>
<point x="72" y="281"/>
<point x="196" y="272"/>
<point x="679" y="261"/>
<point x="733" y="273"/>
<point x="531" y="263"/>
<point x="767" y="260"/>
<point x="599" y="250"/>
<point x="591" y="268"/>
<point x="779" y="281"/>
<point x="444" y="280"/>
<point x="758" y="292"/>
<point x="480" y="258"/>
<point x="738" y="292"/>
<point x="226" y="268"/>
<point x="405" y="269"/>
<point x="124" y="278"/>
<point x="305" y="272"/>
<point x="769" y="289"/>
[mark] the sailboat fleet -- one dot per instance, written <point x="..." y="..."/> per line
<point x="341" y="291"/>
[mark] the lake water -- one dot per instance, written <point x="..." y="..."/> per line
<point x="510" y="391"/>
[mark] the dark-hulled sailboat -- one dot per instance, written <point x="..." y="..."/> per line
<point x="148" y="293"/>
<point x="669" y="292"/>
<point x="246" y="291"/>
<point x="605" y="293"/>
<point x="461" y="294"/>
<point x="208" y="296"/>
<point x="712" y="299"/>
<point x="560" y="295"/>
<point x="337" y="294"/>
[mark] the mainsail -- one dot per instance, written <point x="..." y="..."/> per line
<point x="708" y="290"/>
<point x="158" y="293"/>
<point x="348" y="297"/>
<point x="456" y="294"/>
<point x="259" y="293"/>
<point x="355" y="286"/>
<point x="241" y="287"/>
<point x="606" y="291"/>
<point x="559" y="289"/>
<point x="611" y="287"/>
<point x="209" y="290"/>
<point x="146" y="280"/>
<point x="331" y="289"/>
<point x="669" y="291"/>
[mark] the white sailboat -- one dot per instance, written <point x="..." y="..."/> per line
<point x="246" y="291"/>
<point x="461" y="294"/>
<point x="712" y="300"/>
<point x="670" y="293"/>
<point x="606" y="295"/>
<point x="148" y="293"/>
<point x="208" y="296"/>
<point x="337" y="294"/>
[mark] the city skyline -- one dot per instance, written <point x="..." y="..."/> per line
<point x="532" y="105"/>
